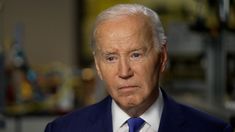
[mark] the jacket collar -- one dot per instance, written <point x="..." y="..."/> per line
<point x="103" y="117"/>
<point x="172" y="117"/>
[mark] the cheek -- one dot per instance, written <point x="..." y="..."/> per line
<point x="107" y="70"/>
<point x="148" y="73"/>
<point x="108" y="73"/>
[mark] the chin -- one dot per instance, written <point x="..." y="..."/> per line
<point x="129" y="103"/>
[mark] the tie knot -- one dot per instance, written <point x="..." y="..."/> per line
<point x="135" y="124"/>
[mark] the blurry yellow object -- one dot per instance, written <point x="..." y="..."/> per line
<point x="26" y="90"/>
<point x="88" y="74"/>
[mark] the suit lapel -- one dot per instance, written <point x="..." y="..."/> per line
<point x="102" y="121"/>
<point x="172" y="118"/>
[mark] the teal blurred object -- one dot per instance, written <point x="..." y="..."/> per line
<point x="21" y="63"/>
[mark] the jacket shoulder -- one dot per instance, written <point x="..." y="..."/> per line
<point x="183" y="118"/>
<point x="80" y="118"/>
<point x="203" y="121"/>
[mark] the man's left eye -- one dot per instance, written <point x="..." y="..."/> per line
<point x="135" y="55"/>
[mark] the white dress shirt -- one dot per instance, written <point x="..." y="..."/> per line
<point x="151" y="117"/>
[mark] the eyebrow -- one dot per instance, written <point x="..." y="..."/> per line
<point x="138" y="49"/>
<point x="105" y="52"/>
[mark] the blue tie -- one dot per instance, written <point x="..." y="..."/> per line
<point x="135" y="124"/>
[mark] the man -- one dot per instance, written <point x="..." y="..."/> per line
<point x="129" y="47"/>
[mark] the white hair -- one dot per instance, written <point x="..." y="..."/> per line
<point x="131" y="9"/>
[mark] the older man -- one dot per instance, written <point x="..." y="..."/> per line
<point x="129" y="47"/>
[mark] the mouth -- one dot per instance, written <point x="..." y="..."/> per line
<point x="128" y="88"/>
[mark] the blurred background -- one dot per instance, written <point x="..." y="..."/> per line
<point x="47" y="70"/>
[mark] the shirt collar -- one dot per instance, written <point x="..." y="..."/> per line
<point x="154" y="111"/>
<point x="120" y="117"/>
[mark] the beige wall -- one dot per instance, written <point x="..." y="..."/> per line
<point x="49" y="28"/>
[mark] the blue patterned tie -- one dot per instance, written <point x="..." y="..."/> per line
<point x="135" y="124"/>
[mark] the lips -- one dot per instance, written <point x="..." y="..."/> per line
<point x="124" y="87"/>
<point x="128" y="88"/>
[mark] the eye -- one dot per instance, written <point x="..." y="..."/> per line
<point x="136" y="55"/>
<point x="110" y="58"/>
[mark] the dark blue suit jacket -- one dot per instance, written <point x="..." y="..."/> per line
<point x="175" y="118"/>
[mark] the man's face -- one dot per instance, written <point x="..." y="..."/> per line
<point x="127" y="60"/>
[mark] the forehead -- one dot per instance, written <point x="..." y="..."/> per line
<point x="127" y="30"/>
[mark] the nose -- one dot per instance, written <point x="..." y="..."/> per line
<point x="125" y="70"/>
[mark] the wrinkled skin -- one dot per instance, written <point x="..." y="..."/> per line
<point x="129" y="62"/>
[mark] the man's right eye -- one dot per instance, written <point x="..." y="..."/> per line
<point x="110" y="59"/>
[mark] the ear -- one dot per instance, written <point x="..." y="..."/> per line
<point x="98" y="68"/>
<point x="164" y="57"/>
